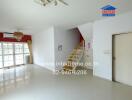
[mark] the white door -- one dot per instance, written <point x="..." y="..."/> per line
<point x="122" y="69"/>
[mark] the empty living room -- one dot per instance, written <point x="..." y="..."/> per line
<point x="65" y="49"/>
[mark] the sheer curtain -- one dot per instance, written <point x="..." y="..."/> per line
<point x="29" y="42"/>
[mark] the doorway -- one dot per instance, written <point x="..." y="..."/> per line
<point x="122" y="58"/>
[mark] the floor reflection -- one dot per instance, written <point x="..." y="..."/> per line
<point x="14" y="78"/>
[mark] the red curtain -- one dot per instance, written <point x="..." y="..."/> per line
<point x="24" y="39"/>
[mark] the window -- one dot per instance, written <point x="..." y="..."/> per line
<point x="19" y="57"/>
<point x="8" y="60"/>
<point x="0" y="49"/>
<point x="12" y="54"/>
<point x="1" y="64"/>
<point x="8" y="54"/>
<point x="18" y="48"/>
<point x="8" y="48"/>
<point x="26" y="50"/>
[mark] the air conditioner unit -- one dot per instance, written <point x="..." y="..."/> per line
<point x="8" y="35"/>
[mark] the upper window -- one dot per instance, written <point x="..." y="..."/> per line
<point x="8" y="48"/>
<point x="18" y="48"/>
<point x="0" y="49"/>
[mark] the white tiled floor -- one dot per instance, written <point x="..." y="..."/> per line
<point x="35" y="83"/>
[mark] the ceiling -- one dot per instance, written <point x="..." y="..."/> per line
<point x="31" y="17"/>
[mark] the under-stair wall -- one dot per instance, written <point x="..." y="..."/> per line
<point x="87" y="32"/>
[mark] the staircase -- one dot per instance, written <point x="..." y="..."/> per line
<point x="75" y="57"/>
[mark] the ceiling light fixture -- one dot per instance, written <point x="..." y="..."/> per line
<point x="47" y="2"/>
<point x="18" y="35"/>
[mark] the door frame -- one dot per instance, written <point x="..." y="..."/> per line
<point x="113" y="52"/>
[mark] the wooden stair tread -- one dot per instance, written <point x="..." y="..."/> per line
<point x="74" y="57"/>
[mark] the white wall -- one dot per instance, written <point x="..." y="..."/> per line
<point x="102" y="42"/>
<point x="87" y="33"/>
<point x="45" y="46"/>
<point x="69" y="39"/>
<point x="43" y="49"/>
